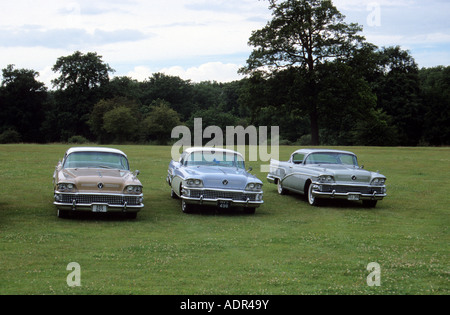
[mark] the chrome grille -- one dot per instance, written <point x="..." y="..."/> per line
<point x="213" y="194"/>
<point x="342" y="189"/>
<point x="106" y="199"/>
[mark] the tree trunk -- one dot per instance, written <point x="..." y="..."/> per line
<point x="315" y="140"/>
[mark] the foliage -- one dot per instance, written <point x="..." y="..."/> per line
<point x="78" y="140"/>
<point x="159" y="122"/>
<point x="22" y="100"/>
<point x="303" y="34"/>
<point x="10" y="136"/>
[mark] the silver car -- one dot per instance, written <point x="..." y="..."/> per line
<point x="327" y="174"/>
<point x="214" y="177"/>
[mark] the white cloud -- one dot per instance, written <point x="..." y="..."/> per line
<point x="211" y="71"/>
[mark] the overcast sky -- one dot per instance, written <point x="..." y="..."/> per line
<point x="194" y="39"/>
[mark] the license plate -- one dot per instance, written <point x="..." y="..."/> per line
<point x="354" y="197"/>
<point x="224" y="204"/>
<point x="100" y="208"/>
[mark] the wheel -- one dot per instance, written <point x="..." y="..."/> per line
<point x="173" y="195"/>
<point x="186" y="208"/>
<point x="281" y="190"/>
<point x="313" y="201"/>
<point x="370" y="203"/>
<point x="62" y="214"/>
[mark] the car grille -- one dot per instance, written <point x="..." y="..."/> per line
<point x="214" y="195"/>
<point x="107" y="199"/>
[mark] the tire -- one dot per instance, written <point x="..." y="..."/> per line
<point x="173" y="195"/>
<point x="62" y="214"/>
<point x="186" y="208"/>
<point x="370" y="203"/>
<point x="313" y="201"/>
<point x="281" y="190"/>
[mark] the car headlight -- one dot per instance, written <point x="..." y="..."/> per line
<point x="134" y="189"/>
<point x="194" y="183"/>
<point x="66" y="187"/>
<point x="326" y="179"/>
<point x="379" y="182"/>
<point x="254" y="187"/>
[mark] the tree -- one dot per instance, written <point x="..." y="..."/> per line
<point x="22" y="99"/>
<point x="104" y="130"/>
<point x="80" y="86"/>
<point x="121" y="124"/>
<point x="81" y="71"/>
<point x="303" y="34"/>
<point x="160" y="121"/>
<point x="398" y="91"/>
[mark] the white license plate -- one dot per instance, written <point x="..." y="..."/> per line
<point x="100" y="208"/>
<point x="354" y="197"/>
<point x="224" y="204"/>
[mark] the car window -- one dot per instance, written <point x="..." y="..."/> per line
<point x="221" y="159"/>
<point x="103" y="160"/>
<point x="332" y="158"/>
<point x="298" y="158"/>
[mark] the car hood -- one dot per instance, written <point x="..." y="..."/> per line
<point x="89" y="180"/>
<point x="222" y="177"/>
<point x="346" y="173"/>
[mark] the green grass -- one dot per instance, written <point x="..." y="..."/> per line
<point x="288" y="247"/>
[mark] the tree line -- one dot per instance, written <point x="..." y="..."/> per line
<point x="310" y="73"/>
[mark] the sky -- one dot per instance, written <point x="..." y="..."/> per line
<point x="197" y="40"/>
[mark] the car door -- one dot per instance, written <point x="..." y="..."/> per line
<point x="294" y="179"/>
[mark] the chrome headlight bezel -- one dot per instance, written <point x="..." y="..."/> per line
<point x="378" y="181"/>
<point x="326" y="179"/>
<point x="194" y="183"/>
<point x="254" y="187"/>
<point x="133" y="189"/>
<point x="66" y="187"/>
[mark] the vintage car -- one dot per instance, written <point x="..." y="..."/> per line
<point x="96" y="180"/>
<point x="214" y="177"/>
<point x="327" y="174"/>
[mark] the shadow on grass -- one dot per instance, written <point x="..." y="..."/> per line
<point x="339" y="204"/>
<point x="91" y="216"/>
<point x="215" y="211"/>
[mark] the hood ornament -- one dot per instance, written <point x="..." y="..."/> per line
<point x="100" y="186"/>
<point x="225" y="182"/>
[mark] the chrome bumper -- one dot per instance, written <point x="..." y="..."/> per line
<point x="217" y="197"/>
<point x="349" y="192"/>
<point x="86" y="202"/>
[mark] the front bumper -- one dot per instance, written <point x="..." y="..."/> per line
<point x="219" y="197"/>
<point x="99" y="202"/>
<point x="349" y="192"/>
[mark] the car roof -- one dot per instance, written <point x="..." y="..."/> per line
<point x="309" y="151"/>
<point x="95" y="149"/>
<point x="199" y="149"/>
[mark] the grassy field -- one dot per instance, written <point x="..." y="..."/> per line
<point x="288" y="247"/>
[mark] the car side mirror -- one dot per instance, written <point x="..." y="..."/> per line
<point x="250" y="169"/>
<point x="136" y="173"/>
<point x="362" y="167"/>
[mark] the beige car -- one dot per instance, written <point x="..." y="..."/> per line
<point x="96" y="180"/>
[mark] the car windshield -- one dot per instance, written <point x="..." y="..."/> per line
<point x="102" y="160"/>
<point x="222" y="159"/>
<point x="332" y="158"/>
